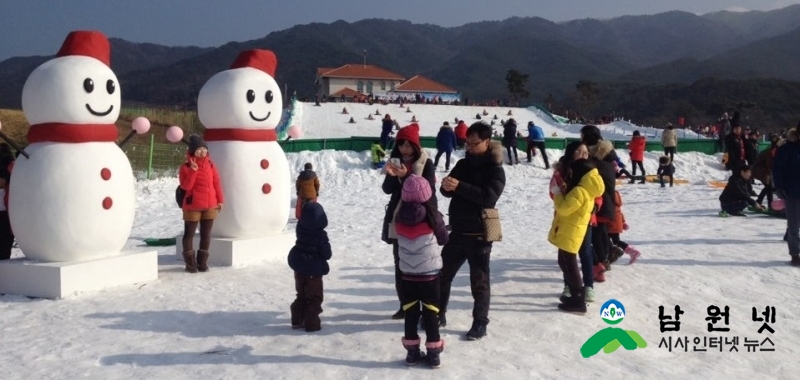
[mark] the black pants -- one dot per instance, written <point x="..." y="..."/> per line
<point x="670" y="151"/>
<point x="538" y="145"/>
<point x="398" y="275"/>
<point x="766" y="191"/>
<point x="516" y="157"/>
<point x="421" y="298"/>
<point x="568" y="262"/>
<point x="634" y="164"/>
<point x="615" y="240"/>
<point x="6" y="236"/>
<point x="661" y="179"/>
<point x="734" y="208"/>
<point x="600" y="242"/>
<point x="623" y="172"/>
<point x="460" y="143"/>
<point x="446" y="162"/>
<point x="475" y="252"/>
<point x="307" y="306"/>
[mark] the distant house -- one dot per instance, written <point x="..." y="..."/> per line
<point x="357" y="80"/>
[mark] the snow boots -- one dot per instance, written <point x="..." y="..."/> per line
<point x="795" y="261"/>
<point x="634" y="253"/>
<point x="191" y="261"/>
<point x="599" y="272"/>
<point x="202" y="260"/>
<point x="616" y="253"/>
<point x="576" y="303"/>
<point x="434" y="349"/>
<point x="414" y="354"/>
<point x="477" y="331"/>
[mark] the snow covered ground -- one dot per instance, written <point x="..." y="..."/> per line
<point x="234" y="323"/>
<point x="327" y="120"/>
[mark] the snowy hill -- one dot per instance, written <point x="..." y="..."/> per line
<point x="327" y="120"/>
<point x="234" y="323"/>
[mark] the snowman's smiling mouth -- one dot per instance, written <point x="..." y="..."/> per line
<point x="95" y="113"/>
<point x="252" y="116"/>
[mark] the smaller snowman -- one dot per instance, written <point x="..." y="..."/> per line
<point x="240" y="108"/>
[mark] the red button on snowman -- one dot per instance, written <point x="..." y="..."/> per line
<point x="240" y="108"/>
<point x="73" y="198"/>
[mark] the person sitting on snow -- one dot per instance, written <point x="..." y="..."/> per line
<point x="377" y="155"/>
<point x="737" y="194"/>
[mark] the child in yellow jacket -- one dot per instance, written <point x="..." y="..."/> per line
<point x="573" y="211"/>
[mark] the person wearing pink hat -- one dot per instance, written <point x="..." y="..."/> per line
<point x="420" y="230"/>
<point x="406" y="158"/>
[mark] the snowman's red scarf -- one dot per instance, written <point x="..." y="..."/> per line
<point x="240" y="134"/>
<point x="72" y="133"/>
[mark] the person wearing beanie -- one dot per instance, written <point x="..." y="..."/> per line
<point x="475" y="183"/>
<point x="386" y="130"/>
<point x="445" y="144"/>
<point x="636" y="147"/>
<point x="737" y="194"/>
<point x="202" y="201"/>
<point x="669" y="141"/>
<point x="510" y="140"/>
<point x="602" y="154"/>
<point x="309" y="260"/>
<point x="786" y="178"/>
<point x="665" y="169"/>
<point x="536" y="140"/>
<point x="461" y="133"/>
<point x="307" y="187"/>
<point x="420" y="228"/>
<point x="406" y="158"/>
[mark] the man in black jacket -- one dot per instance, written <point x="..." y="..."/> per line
<point x="475" y="183"/>
<point x="736" y="195"/>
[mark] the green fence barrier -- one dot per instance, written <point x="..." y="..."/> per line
<point x="361" y="143"/>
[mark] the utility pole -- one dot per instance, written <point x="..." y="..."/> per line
<point x="365" y="58"/>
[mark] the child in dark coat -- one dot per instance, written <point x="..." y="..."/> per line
<point x="736" y="195"/>
<point x="665" y="169"/>
<point x="309" y="260"/>
<point x="420" y="228"/>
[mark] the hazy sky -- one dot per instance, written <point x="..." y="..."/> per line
<point x="37" y="27"/>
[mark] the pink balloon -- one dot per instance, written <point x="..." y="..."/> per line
<point x="778" y="205"/>
<point x="295" y="132"/>
<point x="141" y="125"/>
<point x="174" y="133"/>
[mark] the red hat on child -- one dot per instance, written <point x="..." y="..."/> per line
<point x="410" y="133"/>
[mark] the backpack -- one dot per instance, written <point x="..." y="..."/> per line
<point x="180" y="193"/>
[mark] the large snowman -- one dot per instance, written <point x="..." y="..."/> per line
<point x="240" y="109"/>
<point x="74" y="198"/>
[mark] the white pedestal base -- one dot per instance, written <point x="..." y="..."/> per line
<point x="235" y="252"/>
<point x="58" y="280"/>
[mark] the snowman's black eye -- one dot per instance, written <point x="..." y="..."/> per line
<point x="269" y="96"/>
<point x="110" y="86"/>
<point x="251" y="96"/>
<point x="88" y="85"/>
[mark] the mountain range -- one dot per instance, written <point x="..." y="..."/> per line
<point x="666" y="49"/>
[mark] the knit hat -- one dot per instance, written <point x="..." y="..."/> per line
<point x="410" y="133"/>
<point x="416" y="189"/>
<point x="308" y="166"/>
<point x="88" y="43"/>
<point x="263" y="60"/>
<point x="195" y="142"/>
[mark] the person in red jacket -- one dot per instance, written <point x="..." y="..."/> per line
<point x="203" y="199"/>
<point x="461" y="134"/>
<point x="615" y="229"/>
<point x="636" y="146"/>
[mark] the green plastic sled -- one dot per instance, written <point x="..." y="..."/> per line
<point x="163" y="242"/>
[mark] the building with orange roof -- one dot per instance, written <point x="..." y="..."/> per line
<point x="356" y="80"/>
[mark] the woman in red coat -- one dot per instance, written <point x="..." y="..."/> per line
<point x="636" y="146"/>
<point x="203" y="199"/>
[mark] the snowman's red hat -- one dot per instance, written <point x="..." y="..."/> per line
<point x="89" y="43"/>
<point x="264" y="60"/>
